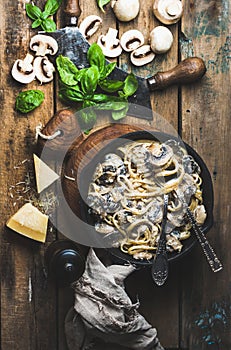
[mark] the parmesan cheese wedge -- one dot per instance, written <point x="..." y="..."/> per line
<point x="29" y="222"/>
<point x="44" y="175"/>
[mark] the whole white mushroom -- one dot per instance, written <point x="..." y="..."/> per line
<point x="161" y="39"/>
<point x="125" y="10"/>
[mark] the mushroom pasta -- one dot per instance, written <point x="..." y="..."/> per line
<point x="126" y="195"/>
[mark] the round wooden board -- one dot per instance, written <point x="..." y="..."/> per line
<point x="82" y="153"/>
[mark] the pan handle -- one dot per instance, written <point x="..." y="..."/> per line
<point x="73" y="11"/>
<point x="187" y="71"/>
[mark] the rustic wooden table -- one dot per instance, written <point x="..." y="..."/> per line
<point x="32" y="307"/>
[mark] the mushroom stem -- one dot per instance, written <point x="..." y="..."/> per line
<point x="110" y="44"/>
<point x="131" y="40"/>
<point x="26" y="64"/>
<point x="23" y="70"/>
<point x="43" y="45"/>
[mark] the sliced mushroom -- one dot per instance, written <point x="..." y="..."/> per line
<point x="125" y="11"/>
<point x="168" y="11"/>
<point x="23" y="70"/>
<point x="44" y="69"/>
<point x="90" y="25"/>
<point x="173" y="242"/>
<point x="161" y="154"/>
<point x="200" y="214"/>
<point x="186" y="189"/>
<point x="143" y="55"/>
<point x="110" y="44"/>
<point x="43" y="45"/>
<point x="161" y="39"/>
<point x="131" y="40"/>
<point x="190" y="165"/>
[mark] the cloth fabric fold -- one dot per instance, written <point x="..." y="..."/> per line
<point x="104" y="316"/>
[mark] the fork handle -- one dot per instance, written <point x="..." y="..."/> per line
<point x="159" y="270"/>
<point x="211" y="256"/>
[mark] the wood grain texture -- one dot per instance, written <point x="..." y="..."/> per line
<point x="33" y="309"/>
<point x="206" y="126"/>
<point x="28" y="314"/>
<point x="165" y="105"/>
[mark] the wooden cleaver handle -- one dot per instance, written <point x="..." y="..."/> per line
<point x="72" y="8"/>
<point x="187" y="71"/>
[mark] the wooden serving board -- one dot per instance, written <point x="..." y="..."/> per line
<point x="74" y="149"/>
<point x="82" y="153"/>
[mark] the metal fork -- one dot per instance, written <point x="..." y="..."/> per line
<point x="211" y="256"/>
<point x="159" y="268"/>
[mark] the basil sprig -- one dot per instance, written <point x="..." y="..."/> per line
<point x="92" y="88"/>
<point x="102" y="3"/>
<point x="27" y="101"/>
<point x="42" y="18"/>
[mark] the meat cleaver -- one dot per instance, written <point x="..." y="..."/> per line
<point x="72" y="44"/>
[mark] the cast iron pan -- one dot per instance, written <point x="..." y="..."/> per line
<point x="207" y="188"/>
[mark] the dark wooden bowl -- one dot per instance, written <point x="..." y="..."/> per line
<point x="207" y="188"/>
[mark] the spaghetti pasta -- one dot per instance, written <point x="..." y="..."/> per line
<point x="127" y="189"/>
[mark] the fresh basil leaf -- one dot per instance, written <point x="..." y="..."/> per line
<point x="100" y="98"/>
<point x="36" y="23"/>
<point x="87" y="118"/>
<point x="44" y="15"/>
<point x="27" y="101"/>
<point x="96" y="57"/>
<point x="108" y="69"/>
<point x="117" y="115"/>
<point x="106" y="98"/>
<point x="52" y="6"/>
<point x="72" y="93"/>
<point x="102" y="3"/>
<point x="112" y="105"/>
<point x="90" y="80"/>
<point x="88" y="103"/>
<point x="33" y="11"/>
<point x="130" y="85"/>
<point x="48" y="25"/>
<point x="87" y="132"/>
<point x="111" y="85"/>
<point x="80" y="73"/>
<point x="67" y="70"/>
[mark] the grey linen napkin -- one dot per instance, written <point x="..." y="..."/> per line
<point x="103" y="316"/>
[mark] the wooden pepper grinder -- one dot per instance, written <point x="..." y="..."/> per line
<point x="64" y="262"/>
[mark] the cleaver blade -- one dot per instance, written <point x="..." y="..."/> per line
<point x="72" y="44"/>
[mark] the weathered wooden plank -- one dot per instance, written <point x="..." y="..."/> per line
<point x="206" y="126"/>
<point x="26" y="299"/>
<point x="165" y="104"/>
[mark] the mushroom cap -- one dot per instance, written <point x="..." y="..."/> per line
<point x="161" y="39"/>
<point x="125" y="11"/>
<point x="110" y="44"/>
<point x="90" y="25"/>
<point x="168" y="11"/>
<point x="44" y="69"/>
<point x="131" y="40"/>
<point x="142" y="55"/>
<point x="43" y="45"/>
<point x="23" y="70"/>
